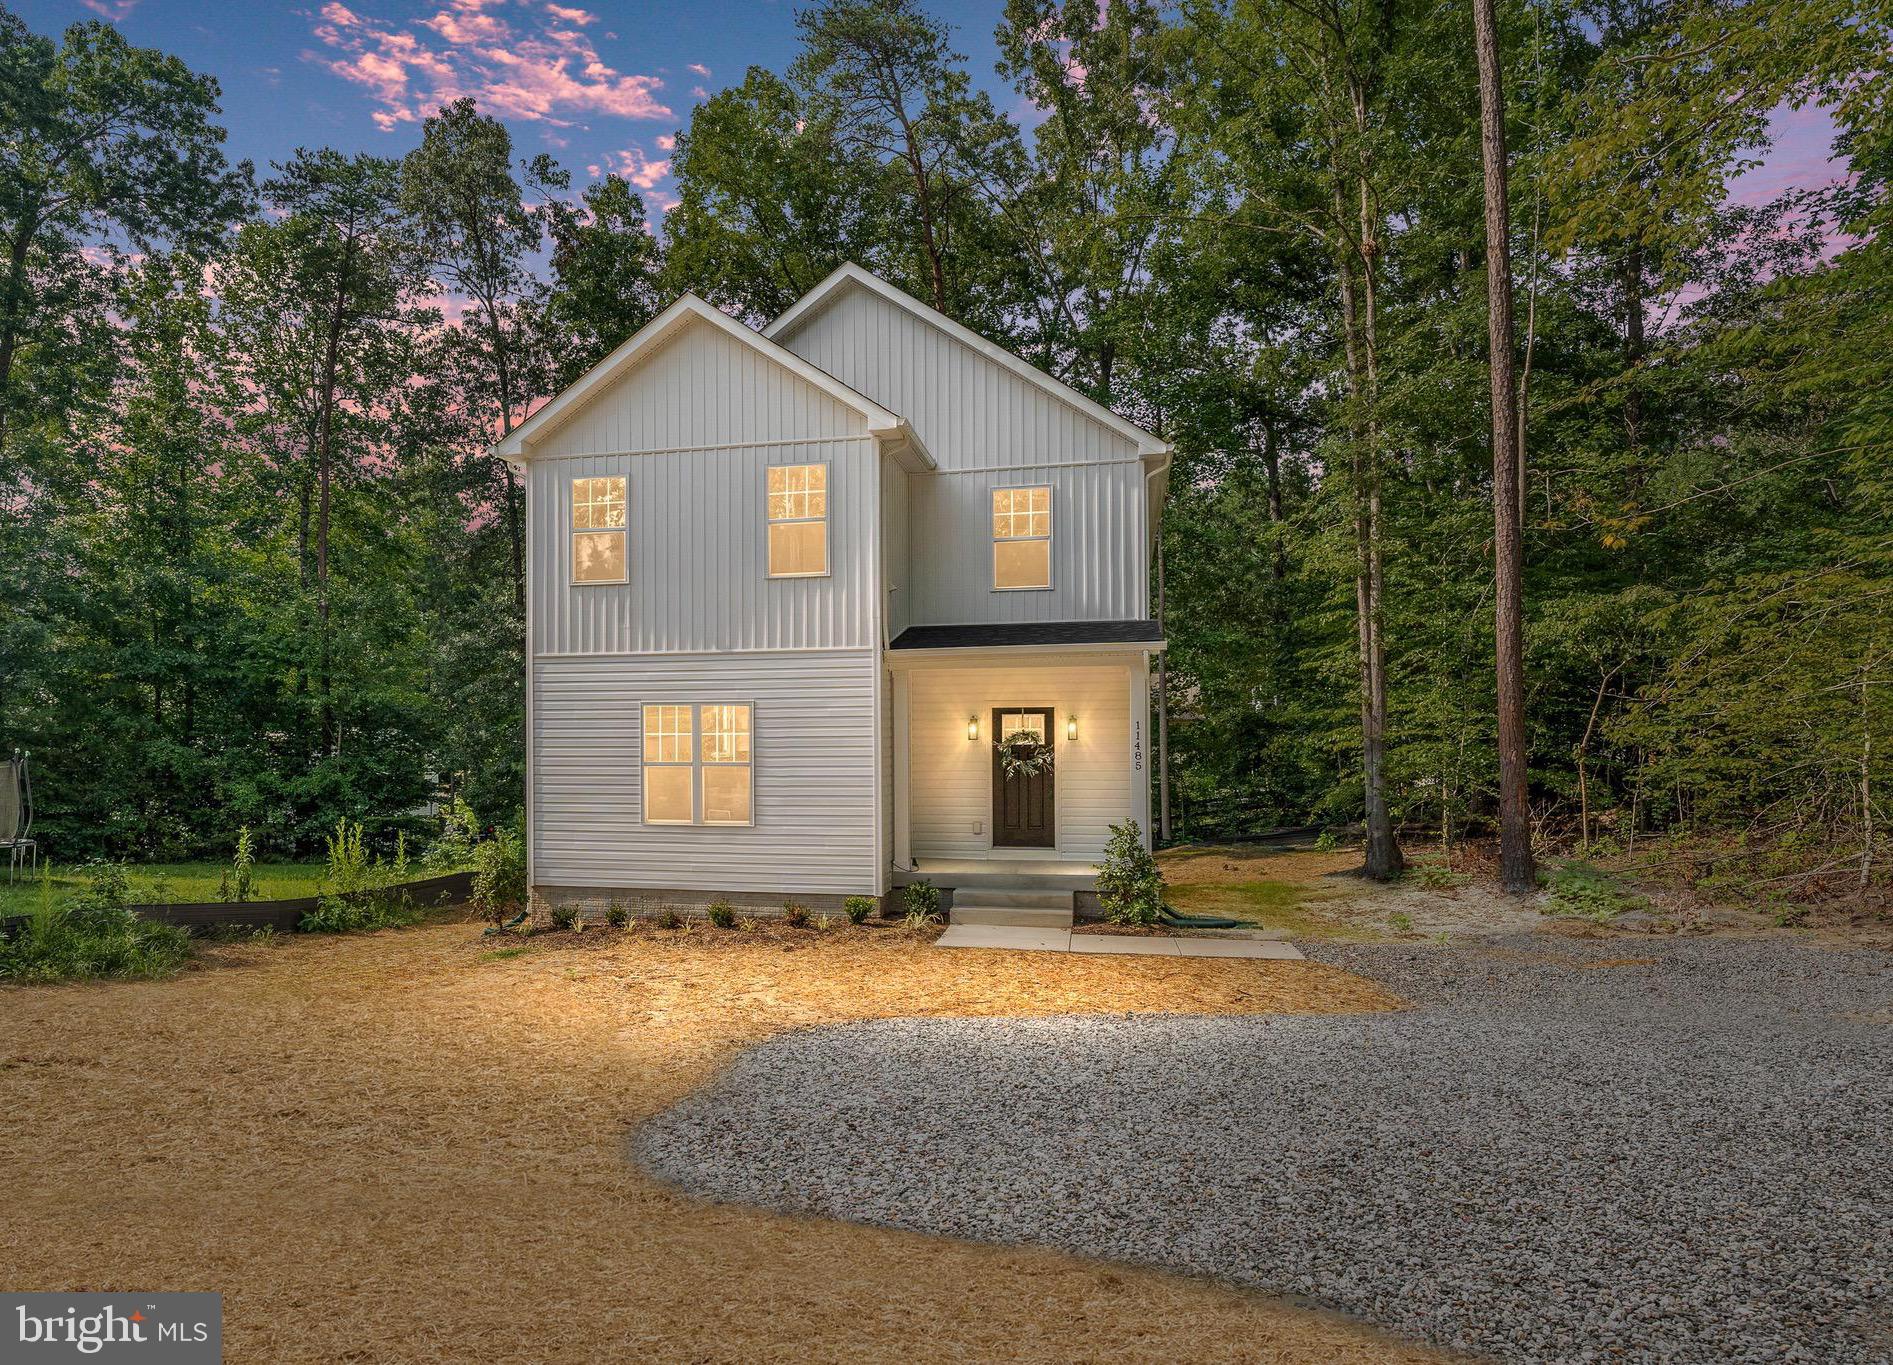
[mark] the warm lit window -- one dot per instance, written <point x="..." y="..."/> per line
<point x="1022" y="537"/>
<point x="667" y="767"/>
<point x="598" y="553"/>
<point x="726" y="765"/>
<point x="798" y="520"/>
<point x="686" y="783"/>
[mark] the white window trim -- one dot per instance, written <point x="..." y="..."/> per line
<point x="828" y="540"/>
<point x="572" y="533"/>
<point x="696" y="765"/>
<point x="993" y="541"/>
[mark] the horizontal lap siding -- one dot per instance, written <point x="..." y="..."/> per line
<point x="813" y="774"/>
<point x="951" y="776"/>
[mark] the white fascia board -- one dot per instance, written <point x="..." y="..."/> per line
<point x="849" y="274"/>
<point x="516" y="446"/>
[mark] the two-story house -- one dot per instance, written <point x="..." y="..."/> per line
<point x="788" y="590"/>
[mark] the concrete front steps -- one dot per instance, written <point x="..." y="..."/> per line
<point x="1011" y="908"/>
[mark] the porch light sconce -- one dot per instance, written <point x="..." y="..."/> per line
<point x="1071" y="728"/>
<point x="972" y="727"/>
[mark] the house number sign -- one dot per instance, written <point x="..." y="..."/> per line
<point x="1137" y="745"/>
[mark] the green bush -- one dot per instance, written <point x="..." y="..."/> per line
<point x="566" y="917"/>
<point x="453" y="849"/>
<point x="239" y="883"/>
<point x="618" y="915"/>
<point x="499" y="877"/>
<point x="795" y="914"/>
<point x="668" y="919"/>
<point x="1130" y="888"/>
<point x="92" y="935"/>
<point x="722" y="914"/>
<point x="1327" y="841"/>
<point x="858" y="908"/>
<point x="922" y="899"/>
<point x="360" y="891"/>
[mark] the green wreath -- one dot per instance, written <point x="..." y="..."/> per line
<point x="1023" y="754"/>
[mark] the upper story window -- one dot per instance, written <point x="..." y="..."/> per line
<point x="692" y="783"/>
<point x="1022" y="537"/>
<point x="598" y="530"/>
<point x="798" y="520"/>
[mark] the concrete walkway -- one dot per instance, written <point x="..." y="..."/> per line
<point x="1068" y="941"/>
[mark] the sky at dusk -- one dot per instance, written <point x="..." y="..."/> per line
<point x="601" y="86"/>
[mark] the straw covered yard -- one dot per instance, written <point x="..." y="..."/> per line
<point x="408" y="1146"/>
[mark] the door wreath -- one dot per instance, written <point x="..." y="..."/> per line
<point x="1023" y="754"/>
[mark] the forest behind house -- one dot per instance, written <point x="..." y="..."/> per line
<point x="258" y="569"/>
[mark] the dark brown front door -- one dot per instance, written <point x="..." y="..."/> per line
<point x="1022" y="806"/>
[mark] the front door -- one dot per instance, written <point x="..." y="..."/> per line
<point x="1022" y="806"/>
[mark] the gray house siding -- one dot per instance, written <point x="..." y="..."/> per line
<point x="988" y="428"/>
<point x="814" y="784"/>
<point x="693" y="430"/>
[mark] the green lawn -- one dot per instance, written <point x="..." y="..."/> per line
<point x="173" y="882"/>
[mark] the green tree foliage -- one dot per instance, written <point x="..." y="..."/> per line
<point x="1254" y="226"/>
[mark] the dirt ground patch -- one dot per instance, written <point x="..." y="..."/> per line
<point x="1310" y="894"/>
<point x="409" y="1146"/>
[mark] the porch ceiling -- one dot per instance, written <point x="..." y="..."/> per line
<point x="1031" y="635"/>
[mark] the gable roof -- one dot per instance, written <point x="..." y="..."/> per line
<point x="653" y="336"/>
<point x="849" y="276"/>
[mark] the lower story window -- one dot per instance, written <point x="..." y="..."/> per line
<point x="697" y="764"/>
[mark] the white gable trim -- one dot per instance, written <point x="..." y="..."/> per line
<point x="687" y="312"/>
<point x="848" y="275"/>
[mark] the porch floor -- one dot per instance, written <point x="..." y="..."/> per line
<point x="1025" y="874"/>
<point x="1068" y="941"/>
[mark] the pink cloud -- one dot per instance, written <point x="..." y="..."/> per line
<point x="639" y="169"/>
<point x="115" y="10"/>
<point x="700" y="69"/>
<point x="552" y="74"/>
<point x="700" y="92"/>
<point x="571" y="16"/>
<point x="666" y="142"/>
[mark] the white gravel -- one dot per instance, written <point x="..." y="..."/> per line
<point x="1546" y="1161"/>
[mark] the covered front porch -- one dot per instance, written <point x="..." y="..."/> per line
<point x="961" y="816"/>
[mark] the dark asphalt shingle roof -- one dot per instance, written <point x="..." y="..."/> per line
<point x="1029" y="633"/>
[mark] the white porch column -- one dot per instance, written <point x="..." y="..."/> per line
<point x="903" y="850"/>
<point x="1139" y="671"/>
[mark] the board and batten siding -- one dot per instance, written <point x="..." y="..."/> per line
<point x="702" y="388"/>
<point x="814" y="787"/>
<point x="988" y="428"/>
<point x="898" y="585"/>
<point x="951" y="776"/>
<point x="698" y="554"/>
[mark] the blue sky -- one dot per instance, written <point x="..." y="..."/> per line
<point x="602" y="86"/>
<point x="596" y="84"/>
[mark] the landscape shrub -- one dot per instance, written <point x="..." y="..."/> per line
<point x="1130" y="888"/>
<point x="566" y="916"/>
<point x="239" y="883"/>
<point x="499" y="876"/>
<point x="93" y="934"/>
<point x="795" y="914"/>
<point x="858" y="908"/>
<point x="669" y="919"/>
<point x="922" y="899"/>
<point x="618" y="915"/>
<point x="1327" y="841"/>
<point x="722" y="914"/>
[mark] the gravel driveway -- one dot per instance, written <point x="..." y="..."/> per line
<point x="1570" y="1151"/>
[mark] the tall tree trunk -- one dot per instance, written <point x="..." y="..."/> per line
<point x="12" y="301"/>
<point x="1508" y="553"/>
<point x="325" y="456"/>
<point x="1381" y="859"/>
<point x="514" y="529"/>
